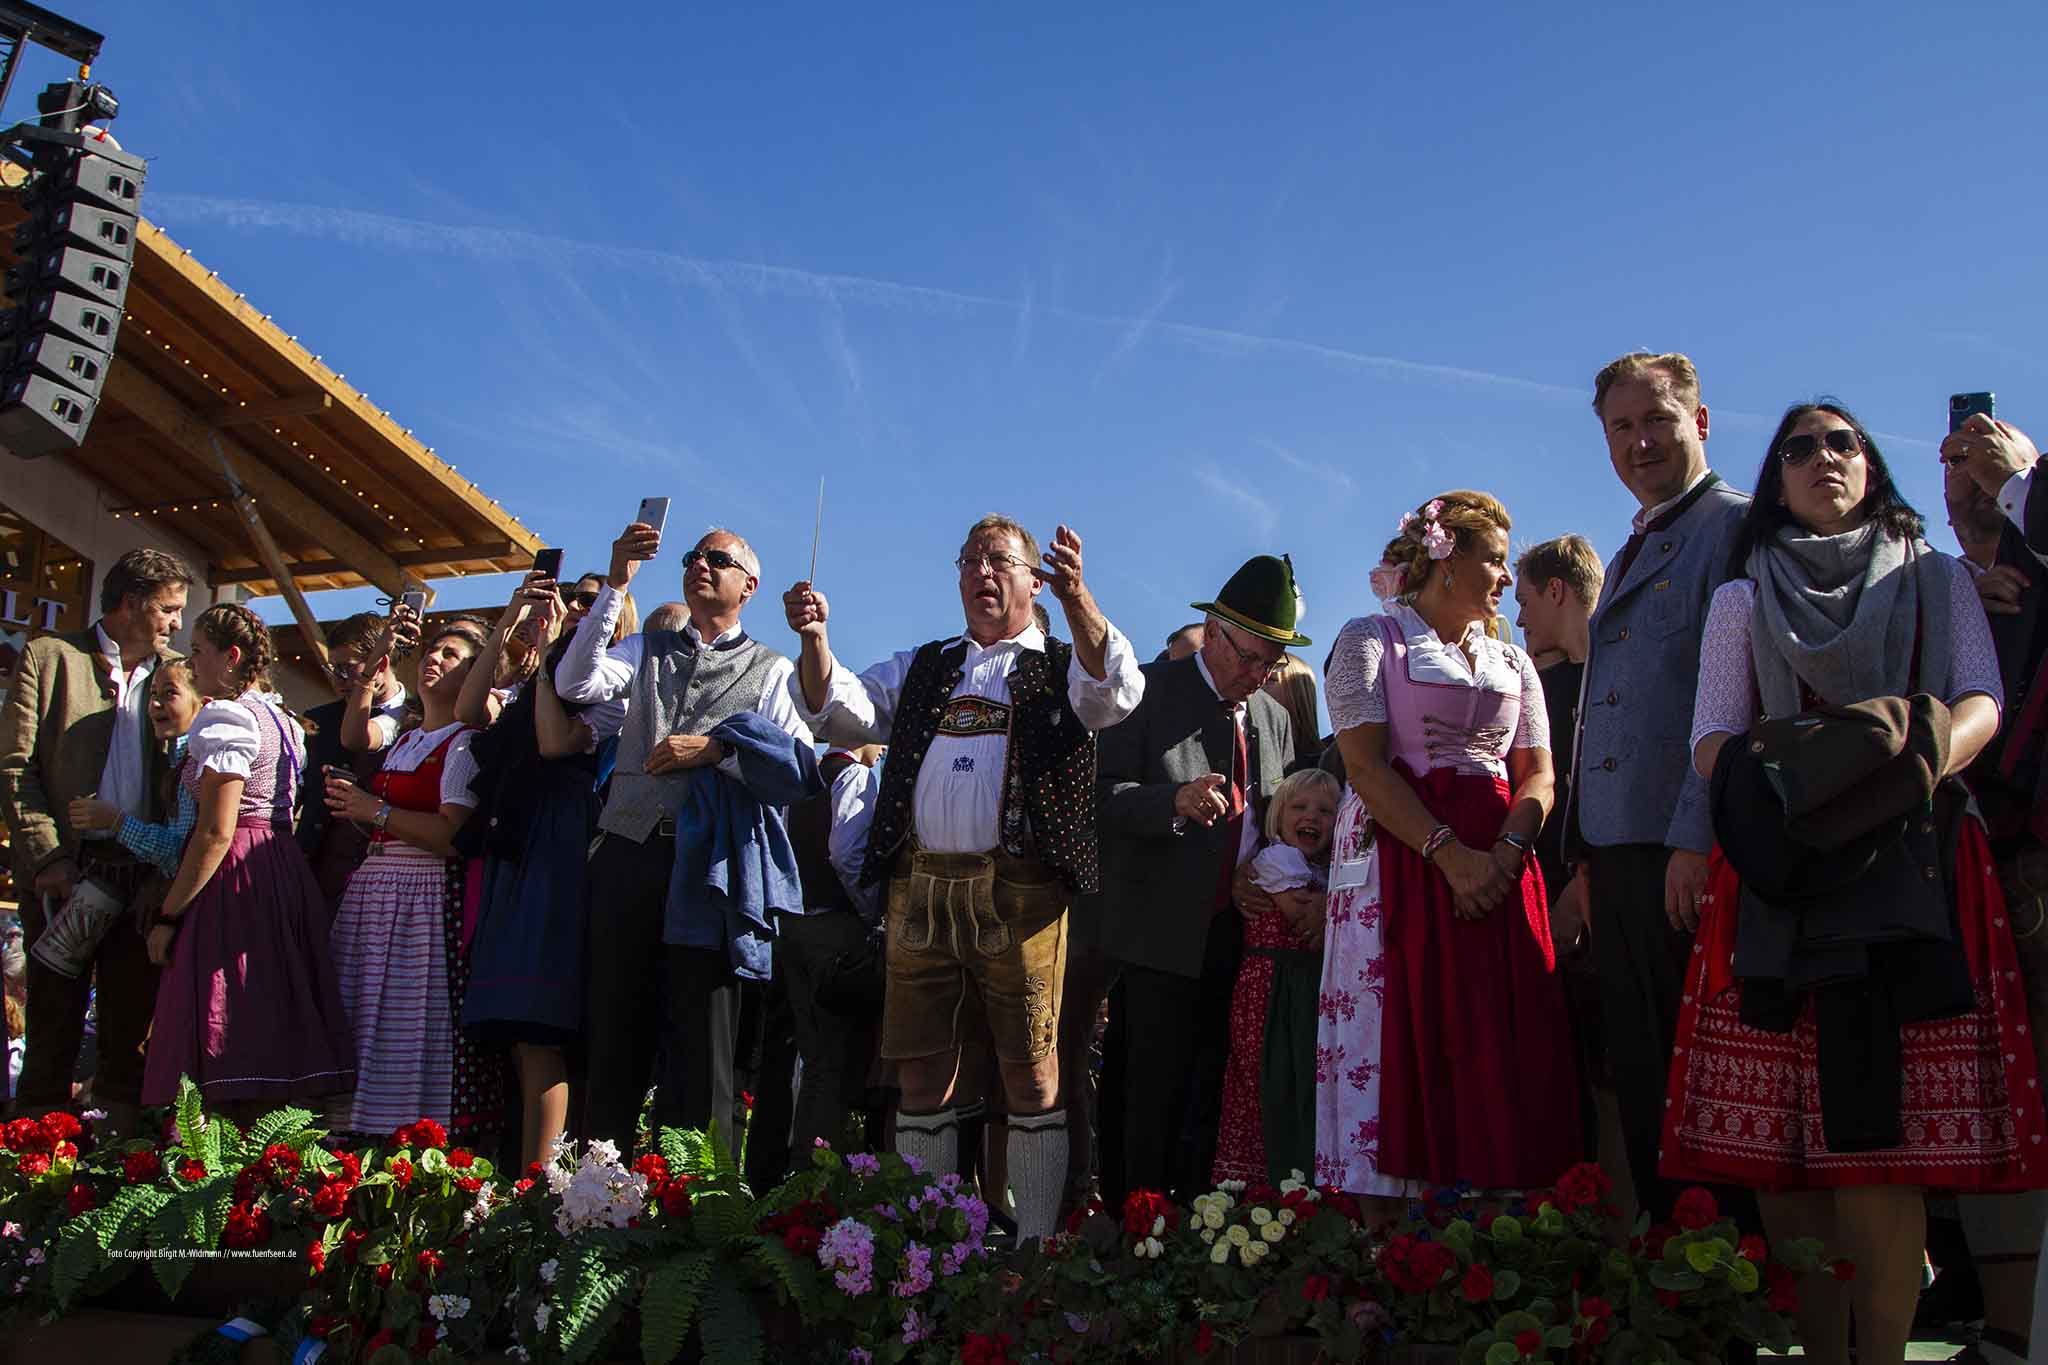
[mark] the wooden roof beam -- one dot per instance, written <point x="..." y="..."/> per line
<point x="268" y="409"/>
<point x="163" y="410"/>
<point x="410" y="559"/>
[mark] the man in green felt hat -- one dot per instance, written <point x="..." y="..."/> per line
<point x="1184" y="782"/>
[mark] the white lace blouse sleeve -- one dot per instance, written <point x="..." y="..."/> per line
<point x="1532" y="727"/>
<point x="225" y="738"/>
<point x="1353" y="687"/>
<point x="458" y="771"/>
<point x="1973" y="659"/>
<point x="1727" y="703"/>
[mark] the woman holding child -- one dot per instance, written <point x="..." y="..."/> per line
<point x="1444" y="1053"/>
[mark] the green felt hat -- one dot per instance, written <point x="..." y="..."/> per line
<point x="1261" y="599"/>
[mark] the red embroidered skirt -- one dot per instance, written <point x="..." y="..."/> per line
<point x="1744" y="1105"/>
<point x="1480" y="1083"/>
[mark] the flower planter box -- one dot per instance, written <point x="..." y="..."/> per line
<point x="101" y="1334"/>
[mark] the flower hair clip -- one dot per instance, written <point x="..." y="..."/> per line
<point x="1387" y="580"/>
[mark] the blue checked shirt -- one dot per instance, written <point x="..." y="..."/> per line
<point x="162" y="846"/>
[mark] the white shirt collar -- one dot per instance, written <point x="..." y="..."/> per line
<point x="112" y="651"/>
<point x="1210" y="678"/>
<point x="732" y="633"/>
<point x="1031" y="638"/>
<point x="1414" y="624"/>
<point x="1646" y="515"/>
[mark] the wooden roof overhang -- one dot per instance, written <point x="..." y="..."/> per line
<point x="348" y="496"/>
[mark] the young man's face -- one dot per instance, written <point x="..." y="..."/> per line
<point x="1540" y="614"/>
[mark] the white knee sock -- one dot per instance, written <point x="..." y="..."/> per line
<point x="1038" y="1171"/>
<point x="933" y="1139"/>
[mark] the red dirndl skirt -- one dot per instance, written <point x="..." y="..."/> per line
<point x="1479" y="1080"/>
<point x="1743" y="1106"/>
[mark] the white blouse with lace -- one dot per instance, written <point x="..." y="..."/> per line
<point x="1356" y="687"/>
<point x="227" y="736"/>
<point x="1728" y="702"/>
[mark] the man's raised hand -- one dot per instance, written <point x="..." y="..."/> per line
<point x="637" y="542"/>
<point x="806" y="609"/>
<point x="1063" y="566"/>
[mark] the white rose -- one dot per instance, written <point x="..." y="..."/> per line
<point x="1159" y="1225"/>
<point x="1153" y="1249"/>
<point x="1237" y="1235"/>
<point x="1212" y="1218"/>
<point x="1208" y="1234"/>
<point x="1220" y="1252"/>
<point x="1285" y="1218"/>
<point x="1272" y="1232"/>
<point x="1261" y="1217"/>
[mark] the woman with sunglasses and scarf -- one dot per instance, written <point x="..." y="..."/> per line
<point x="1835" y="598"/>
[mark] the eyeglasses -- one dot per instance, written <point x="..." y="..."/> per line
<point x="585" y="598"/>
<point x="717" y="559"/>
<point x="1250" y="660"/>
<point x="998" y="562"/>
<point x="1797" y="450"/>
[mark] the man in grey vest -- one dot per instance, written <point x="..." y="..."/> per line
<point x="646" y="999"/>
<point x="1640" y="830"/>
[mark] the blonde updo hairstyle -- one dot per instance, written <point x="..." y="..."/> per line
<point x="1466" y="515"/>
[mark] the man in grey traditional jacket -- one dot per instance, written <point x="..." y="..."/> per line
<point x="647" y="997"/>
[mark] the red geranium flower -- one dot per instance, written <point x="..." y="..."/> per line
<point x="142" y="1167"/>
<point x="316" y="1257"/>
<point x="1753" y="1248"/>
<point x="427" y="1133"/>
<point x="384" y="1273"/>
<point x="1143" y="1209"/>
<point x="1205" y="1339"/>
<point x="1583" y="1186"/>
<point x="330" y="1201"/>
<point x="191" y="1172"/>
<point x="1529" y="1342"/>
<point x="747" y="1098"/>
<point x="429" y="1263"/>
<point x="22" y="1135"/>
<point x="1781" y="1288"/>
<point x="1477" y="1286"/>
<point x="469" y="1184"/>
<point x="675" y="1198"/>
<point x="246" y="1181"/>
<point x="248" y="1226"/>
<point x="1316" y="1288"/>
<point x="534" y="1170"/>
<point x="1668" y="1297"/>
<point x="1339" y="1202"/>
<point x="60" y="1126"/>
<point x="377" y="1343"/>
<point x="66" y="1151"/>
<point x="81" y="1198"/>
<point x="351" y="1243"/>
<point x="401" y="1171"/>
<point x="521" y="1187"/>
<point x="802" y="1240"/>
<point x="1844" y="1271"/>
<point x="1595" y="1309"/>
<point x="33" y="1164"/>
<point x="351" y="1166"/>
<point x="985" y="1349"/>
<point x="280" y="1163"/>
<point x="654" y="1166"/>
<point x="462" y="1157"/>
<point x="1655" y="1238"/>
<point x="322" y="1324"/>
<point x="1415" y="1266"/>
<point x="1696" y="1209"/>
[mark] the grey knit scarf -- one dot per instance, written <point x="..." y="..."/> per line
<point x="1843" y="614"/>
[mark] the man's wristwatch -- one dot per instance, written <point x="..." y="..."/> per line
<point x="1521" y="843"/>
<point x="383" y="815"/>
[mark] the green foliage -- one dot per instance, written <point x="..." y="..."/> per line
<point x="668" y="1304"/>
<point x="592" y="1301"/>
<point x="731" y="1330"/>
<point x="278" y="1126"/>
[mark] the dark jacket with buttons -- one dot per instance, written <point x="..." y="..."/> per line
<point x="1633" y="781"/>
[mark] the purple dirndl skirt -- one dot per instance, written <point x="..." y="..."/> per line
<point x="248" y="1007"/>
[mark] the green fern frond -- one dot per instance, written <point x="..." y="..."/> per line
<point x="669" y="1303"/>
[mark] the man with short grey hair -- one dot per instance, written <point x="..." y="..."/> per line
<point x="1638" y="823"/>
<point x="655" y="987"/>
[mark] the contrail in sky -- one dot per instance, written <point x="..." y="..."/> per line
<point x="361" y="228"/>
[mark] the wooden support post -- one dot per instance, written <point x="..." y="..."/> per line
<point x="271" y="555"/>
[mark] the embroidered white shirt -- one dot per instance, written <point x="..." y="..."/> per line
<point x="959" y="794"/>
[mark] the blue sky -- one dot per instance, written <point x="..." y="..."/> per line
<point x="1202" y="281"/>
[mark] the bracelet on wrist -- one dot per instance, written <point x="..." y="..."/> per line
<point x="1520" y="843"/>
<point x="1438" y="837"/>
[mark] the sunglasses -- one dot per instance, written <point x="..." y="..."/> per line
<point x="1797" y="450"/>
<point x="717" y="559"/>
<point x="585" y="598"/>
